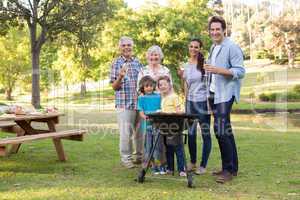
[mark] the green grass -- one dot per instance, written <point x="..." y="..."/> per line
<point x="269" y="167"/>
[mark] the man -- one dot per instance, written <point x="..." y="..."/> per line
<point x="225" y="63"/>
<point x="123" y="77"/>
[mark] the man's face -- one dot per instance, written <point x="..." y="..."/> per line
<point x="216" y="32"/>
<point x="126" y="49"/>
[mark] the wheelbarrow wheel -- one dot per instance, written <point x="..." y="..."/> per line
<point x="189" y="179"/>
<point x="141" y="176"/>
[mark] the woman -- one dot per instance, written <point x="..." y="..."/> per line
<point x="196" y="103"/>
<point x="154" y="69"/>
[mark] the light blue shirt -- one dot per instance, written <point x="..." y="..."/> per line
<point x="229" y="56"/>
<point x="148" y="103"/>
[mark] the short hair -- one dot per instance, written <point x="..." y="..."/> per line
<point x="155" y="49"/>
<point x="166" y="78"/>
<point x="217" y="19"/>
<point x="146" y="80"/>
<point x="124" y="39"/>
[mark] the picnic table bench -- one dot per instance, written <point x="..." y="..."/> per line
<point x="30" y="133"/>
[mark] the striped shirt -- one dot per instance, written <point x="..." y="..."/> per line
<point x="126" y="95"/>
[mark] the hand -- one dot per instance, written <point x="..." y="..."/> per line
<point x="122" y="72"/>
<point x="180" y="71"/>
<point x="211" y="69"/>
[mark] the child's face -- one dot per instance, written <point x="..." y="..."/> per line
<point x="148" y="88"/>
<point x="164" y="86"/>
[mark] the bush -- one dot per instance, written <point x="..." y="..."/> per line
<point x="297" y="89"/>
<point x="264" y="97"/>
<point x="281" y="61"/>
<point x="281" y="97"/>
<point x="293" y="96"/>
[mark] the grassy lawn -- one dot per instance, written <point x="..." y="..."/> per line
<point x="269" y="167"/>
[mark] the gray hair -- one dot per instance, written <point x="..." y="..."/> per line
<point x="155" y="49"/>
<point x="124" y="39"/>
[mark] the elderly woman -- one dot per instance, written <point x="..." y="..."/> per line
<point x="154" y="69"/>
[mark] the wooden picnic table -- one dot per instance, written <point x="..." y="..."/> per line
<point x="24" y="121"/>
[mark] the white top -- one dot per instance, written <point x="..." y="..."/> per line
<point x="213" y="63"/>
<point x="147" y="71"/>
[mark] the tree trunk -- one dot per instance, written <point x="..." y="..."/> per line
<point x="35" y="100"/>
<point x="8" y="92"/>
<point x="83" y="89"/>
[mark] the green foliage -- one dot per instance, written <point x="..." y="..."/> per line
<point x="169" y="27"/>
<point x="291" y="96"/>
<point x="296" y="89"/>
<point x="14" y="60"/>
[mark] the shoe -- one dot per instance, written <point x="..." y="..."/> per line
<point x="217" y="173"/>
<point x="200" y="171"/>
<point x="224" y="177"/>
<point x="162" y="170"/>
<point x="234" y="173"/>
<point x="128" y="165"/>
<point x="155" y="170"/>
<point x="182" y="173"/>
<point x="169" y="172"/>
<point x="192" y="167"/>
<point x="137" y="162"/>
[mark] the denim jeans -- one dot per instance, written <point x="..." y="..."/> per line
<point x="178" y="150"/>
<point x="199" y="108"/>
<point x="224" y="135"/>
<point x="150" y="138"/>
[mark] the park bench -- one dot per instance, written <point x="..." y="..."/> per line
<point x="10" y="127"/>
<point x="55" y="136"/>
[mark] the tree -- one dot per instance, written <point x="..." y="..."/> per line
<point x="14" y="61"/>
<point x="169" y="27"/>
<point x="45" y="20"/>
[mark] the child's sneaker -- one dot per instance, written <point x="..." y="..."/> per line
<point x="200" y="171"/>
<point x="162" y="170"/>
<point x="169" y="172"/>
<point x="182" y="173"/>
<point x="155" y="170"/>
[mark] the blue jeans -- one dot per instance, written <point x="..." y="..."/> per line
<point x="150" y="137"/>
<point x="178" y="150"/>
<point x="224" y="135"/>
<point x="199" y="108"/>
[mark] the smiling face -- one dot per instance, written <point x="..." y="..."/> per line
<point x="194" y="48"/>
<point x="154" y="58"/>
<point x="216" y="32"/>
<point x="164" y="87"/>
<point x="148" y="88"/>
<point x="126" y="48"/>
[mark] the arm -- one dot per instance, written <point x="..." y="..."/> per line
<point x="236" y="70"/>
<point x="142" y="115"/>
<point x="116" y="84"/>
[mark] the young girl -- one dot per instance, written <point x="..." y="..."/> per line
<point x="149" y="102"/>
<point x="170" y="103"/>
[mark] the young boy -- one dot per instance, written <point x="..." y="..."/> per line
<point x="149" y="102"/>
<point x="170" y="103"/>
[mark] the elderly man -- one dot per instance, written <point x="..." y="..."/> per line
<point x="123" y="77"/>
<point x="225" y="63"/>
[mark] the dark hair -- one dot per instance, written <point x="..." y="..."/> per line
<point x="146" y="80"/>
<point x="166" y="78"/>
<point x="200" y="58"/>
<point x="217" y="19"/>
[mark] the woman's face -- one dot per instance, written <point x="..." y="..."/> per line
<point x="154" y="58"/>
<point x="194" y="48"/>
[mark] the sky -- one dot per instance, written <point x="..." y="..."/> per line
<point x="138" y="3"/>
